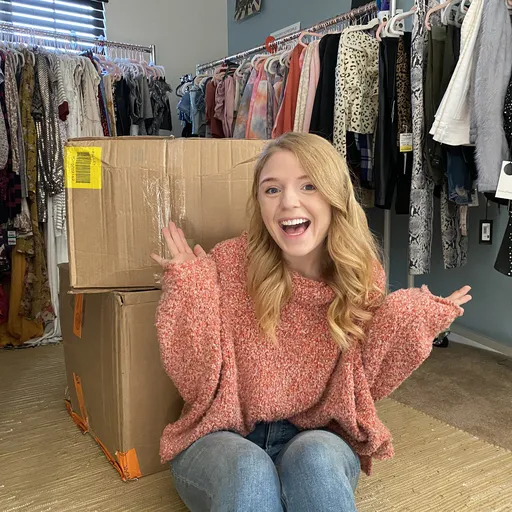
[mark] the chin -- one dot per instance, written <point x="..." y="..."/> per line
<point x="297" y="246"/>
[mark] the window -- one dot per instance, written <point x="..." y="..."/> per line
<point x="84" y="19"/>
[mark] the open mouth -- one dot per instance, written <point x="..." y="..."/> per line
<point x="295" y="227"/>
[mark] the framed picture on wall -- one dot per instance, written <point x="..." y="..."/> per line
<point x="246" y="8"/>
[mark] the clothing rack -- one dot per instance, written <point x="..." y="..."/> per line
<point x="351" y="15"/>
<point x="99" y="43"/>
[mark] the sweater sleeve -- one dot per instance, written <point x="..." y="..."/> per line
<point x="400" y="336"/>
<point x="188" y="328"/>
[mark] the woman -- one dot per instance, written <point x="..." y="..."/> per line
<point x="281" y="340"/>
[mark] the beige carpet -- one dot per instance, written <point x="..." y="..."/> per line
<point x="466" y="387"/>
<point x="47" y="465"/>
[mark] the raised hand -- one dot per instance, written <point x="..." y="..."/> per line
<point x="460" y="297"/>
<point x="178" y="247"/>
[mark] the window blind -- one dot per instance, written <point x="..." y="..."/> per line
<point x="84" y="19"/>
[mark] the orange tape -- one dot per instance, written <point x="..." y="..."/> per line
<point x="80" y="398"/>
<point x="111" y="459"/>
<point x="74" y="416"/>
<point x="129" y="464"/>
<point x="78" y="315"/>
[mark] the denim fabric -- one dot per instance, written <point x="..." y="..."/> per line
<point x="197" y="110"/>
<point x="184" y="108"/>
<point x="276" y="468"/>
<point x="460" y="169"/>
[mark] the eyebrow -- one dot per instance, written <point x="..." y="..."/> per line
<point x="269" y="179"/>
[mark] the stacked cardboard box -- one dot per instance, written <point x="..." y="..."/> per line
<point x="120" y="193"/>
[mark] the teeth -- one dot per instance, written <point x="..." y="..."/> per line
<point x="293" y="222"/>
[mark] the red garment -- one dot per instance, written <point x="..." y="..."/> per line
<point x="214" y="123"/>
<point x="231" y="378"/>
<point x="286" y="115"/>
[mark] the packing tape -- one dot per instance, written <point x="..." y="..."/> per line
<point x="76" y="418"/>
<point x="129" y="463"/>
<point x="80" y="397"/>
<point x="78" y="315"/>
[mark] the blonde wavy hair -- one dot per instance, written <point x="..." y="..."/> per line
<point x="351" y="251"/>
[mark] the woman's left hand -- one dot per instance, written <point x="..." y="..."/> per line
<point x="460" y="297"/>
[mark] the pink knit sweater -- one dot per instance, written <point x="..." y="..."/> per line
<point x="231" y="379"/>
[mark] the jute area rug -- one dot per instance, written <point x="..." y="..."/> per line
<point x="47" y="465"/>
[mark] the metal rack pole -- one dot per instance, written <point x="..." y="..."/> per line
<point x="351" y="15"/>
<point x="47" y="34"/>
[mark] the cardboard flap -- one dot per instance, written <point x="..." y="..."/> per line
<point x="138" y="298"/>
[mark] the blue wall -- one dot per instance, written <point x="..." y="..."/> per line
<point x="277" y="14"/>
<point x="490" y="313"/>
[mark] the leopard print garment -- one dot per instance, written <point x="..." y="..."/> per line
<point x="403" y="90"/>
<point x="357" y="87"/>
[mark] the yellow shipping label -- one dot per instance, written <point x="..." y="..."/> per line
<point x="83" y="167"/>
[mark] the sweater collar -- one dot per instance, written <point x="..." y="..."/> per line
<point x="310" y="292"/>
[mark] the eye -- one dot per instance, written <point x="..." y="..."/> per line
<point x="271" y="191"/>
<point x="309" y="187"/>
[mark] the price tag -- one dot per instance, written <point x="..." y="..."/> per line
<point x="505" y="183"/>
<point x="405" y="142"/>
<point x="11" y="237"/>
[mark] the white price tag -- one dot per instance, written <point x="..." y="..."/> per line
<point x="505" y="182"/>
<point x="405" y="142"/>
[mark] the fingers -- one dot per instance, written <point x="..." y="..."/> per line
<point x="460" y="293"/>
<point x="184" y="241"/>
<point x="464" y="300"/>
<point x="199" y="251"/>
<point x="170" y="242"/>
<point x="176" y="237"/>
<point x="161" y="261"/>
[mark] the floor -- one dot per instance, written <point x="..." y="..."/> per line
<point x="466" y="387"/>
<point x="47" y="465"/>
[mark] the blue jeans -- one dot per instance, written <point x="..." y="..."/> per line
<point x="276" y="468"/>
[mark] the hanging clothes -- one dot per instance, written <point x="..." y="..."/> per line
<point x="322" y="117"/>
<point x="215" y="124"/>
<point x="257" y="127"/>
<point x="314" y="76"/>
<point x="356" y="86"/>
<point x="302" y="94"/>
<point x="392" y="167"/>
<point x="452" y="122"/>
<point x="286" y="115"/>
<point x="491" y="79"/>
<point x="422" y="186"/>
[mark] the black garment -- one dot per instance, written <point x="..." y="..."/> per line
<point x="504" y="260"/>
<point x="441" y="61"/>
<point x="507" y="114"/>
<point x="122" y="108"/>
<point x="392" y="169"/>
<point x="322" y="117"/>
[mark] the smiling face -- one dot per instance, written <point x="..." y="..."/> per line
<point x="295" y="214"/>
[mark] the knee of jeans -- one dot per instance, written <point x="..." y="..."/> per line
<point x="322" y="452"/>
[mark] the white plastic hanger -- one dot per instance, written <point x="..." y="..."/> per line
<point x="449" y="15"/>
<point x="357" y="28"/>
<point x="395" y="25"/>
<point x="435" y="9"/>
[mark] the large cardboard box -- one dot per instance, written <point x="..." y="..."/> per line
<point x="122" y="191"/>
<point x="117" y="388"/>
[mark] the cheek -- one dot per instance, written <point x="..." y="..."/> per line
<point x="267" y="211"/>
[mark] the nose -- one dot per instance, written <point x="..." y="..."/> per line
<point x="290" y="199"/>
